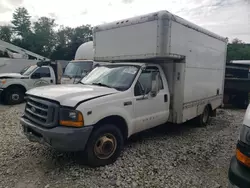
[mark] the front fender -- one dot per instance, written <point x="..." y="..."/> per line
<point x="10" y="82"/>
<point x="100" y="113"/>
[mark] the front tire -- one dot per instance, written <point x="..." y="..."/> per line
<point x="14" y="96"/>
<point x="104" y="145"/>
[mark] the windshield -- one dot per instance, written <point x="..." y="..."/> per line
<point x="119" y="77"/>
<point x="28" y="70"/>
<point x="78" y="69"/>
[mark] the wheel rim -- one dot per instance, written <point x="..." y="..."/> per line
<point x="105" y="146"/>
<point x="15" y="97"/>
<point x="205" y="115"/>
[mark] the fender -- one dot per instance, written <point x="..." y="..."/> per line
<point x="99" y="113"/>
<point x="10" y="82"/>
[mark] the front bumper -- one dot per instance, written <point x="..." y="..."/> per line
<point x="59" y="138"/>
<point x="238" y="175"/>
<point x="230" y="185"/>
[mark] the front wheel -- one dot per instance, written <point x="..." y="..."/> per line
<point x="104" y="145"/>
<point x="13" y="96"/>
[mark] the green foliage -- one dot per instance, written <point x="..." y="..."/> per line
<point x="69" y="39"/>
<point x="44" y="36"/>
<point x="41" y="37"/>
<point x="237" y="50"/>
<point x="6" y="33"/>
<point x="21" y="22"/>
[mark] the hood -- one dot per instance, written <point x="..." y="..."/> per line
<point x="10" y="75"/>
<point x="70" y="95"/>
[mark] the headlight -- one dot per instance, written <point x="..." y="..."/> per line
<point x="245" y="134"/>
<point x="72" y="118"/>
<point x="244" y="159"/>
<point x="241" y="152"/>
<point x="2" y="81"/>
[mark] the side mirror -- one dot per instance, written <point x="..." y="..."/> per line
<point x="155" y="84"/>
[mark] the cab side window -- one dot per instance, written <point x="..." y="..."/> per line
<point x="42" y="72"/>
<point x="143" y="85"/>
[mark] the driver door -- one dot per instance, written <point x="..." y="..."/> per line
<point x="149" y="111"/>
<point x="41" y="77"/>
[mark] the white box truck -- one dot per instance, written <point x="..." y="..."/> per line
<point x="165" y="69"/>
<point x="81" y="65"/>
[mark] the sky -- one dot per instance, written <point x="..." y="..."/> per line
<point x="228" y="18"/>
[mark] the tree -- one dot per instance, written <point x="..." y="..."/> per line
<point x="69" y="39"/>
<point x="237" y="41"/>
<point x="237" y="50"/>
<point x="44" y="36"/>
<point x="21" y="22"/>
<point x="80" y="35"/>
<point x="63" y="36"/>
<point x="6" y="33"/>
<point x="63" y="40"/>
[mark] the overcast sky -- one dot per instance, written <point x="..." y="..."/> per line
<point x="228" y="18"/>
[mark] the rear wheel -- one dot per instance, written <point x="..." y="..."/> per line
<point x="14" y="95"/>
<point x="104" y="145"/>
<point x="203" y="119"/>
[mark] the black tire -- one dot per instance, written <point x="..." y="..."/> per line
<point x="203" y="119"/>
<point x="14" y="95"/>
<point x="242" y="100"/>
<point x="90" y="151"/>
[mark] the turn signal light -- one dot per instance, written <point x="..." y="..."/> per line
<point x="3" y="81"/>
<point x="71" y="117"/>
<point x="242" y="158"/>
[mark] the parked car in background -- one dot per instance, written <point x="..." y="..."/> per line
<point x="81" y="65"/>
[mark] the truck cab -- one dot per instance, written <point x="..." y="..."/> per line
<point x="14" y="85"/>
<point x="77" y="69"/>
<point x="82" y="64"/>
<point x="239" y="170"/>
<point x="110" y="95"/>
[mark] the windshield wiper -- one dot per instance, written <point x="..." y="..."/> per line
<point x="101" y="84"/>
<point x="67" y="76"/>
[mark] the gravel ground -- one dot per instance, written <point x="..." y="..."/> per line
<point x="167" y="156"/>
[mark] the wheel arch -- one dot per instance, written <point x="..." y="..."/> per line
<point x="16" y="86"/>
<point x="117" y="120"/>
<point x="209" y="105"/>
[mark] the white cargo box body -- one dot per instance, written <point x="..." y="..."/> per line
<point x="159" y="34"/>
<point x="194" y="57"/>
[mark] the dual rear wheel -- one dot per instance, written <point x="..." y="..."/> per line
<point x="203" y="119"/>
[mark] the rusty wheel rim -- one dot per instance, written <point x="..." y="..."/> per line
<point x="105" y="146"/>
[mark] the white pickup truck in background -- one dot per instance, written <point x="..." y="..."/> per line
<point x="165" y="69"/>
<point x="14" y="85"/>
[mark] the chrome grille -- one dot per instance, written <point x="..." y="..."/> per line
<point x="42" y="112"/>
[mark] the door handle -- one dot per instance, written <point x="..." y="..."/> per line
<point x="165" y="98"/>
<point x="51" y="81"/>
<point x="127" y="103"/>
